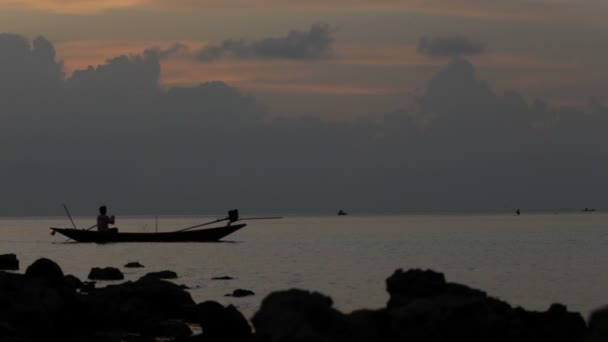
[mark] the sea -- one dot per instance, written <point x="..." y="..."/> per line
<point x="531" y="260"/>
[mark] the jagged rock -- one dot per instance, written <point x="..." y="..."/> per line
<point x="297" y="315"/>
<point x="134" y="265"/>
<point x="220" y="322"/>
<point x="72" y="282"/>
<point x="160" y="275"/>
<point x="598" y="325"/>
<point x="132" y="305"/>
<point x="45" y="269"/>
<point x="222" y="278"/>
<point x="38" y="305"/>
<point x="106" y="273"/>
<point x="9" y="262"/>
<point x="416" y="284"/>
<point x="240" y="293"/>
<point x="424" y="307"/>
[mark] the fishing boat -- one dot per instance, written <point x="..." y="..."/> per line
<point x="198" y="235"/>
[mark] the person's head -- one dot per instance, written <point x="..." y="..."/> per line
<point x="103" y="210"/>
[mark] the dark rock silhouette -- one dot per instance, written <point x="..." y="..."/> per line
<point x="240" y="293"/>
<point x="422" y="307"/>
<point x="297" y="315"/>
<point x="139" y="306"/>
<point x="73" y="282"/>
<point x="9" y="262"/>
<point x="44" y="305"/>
<point x="222" y="278"/>
<point x="160" y="275"/>
<point x="134" y="265"/>
<point x="219" y="322"/>
<point x="106" y="273"/>
<point x="45" y="269"/>
<point x="598" y="325"/>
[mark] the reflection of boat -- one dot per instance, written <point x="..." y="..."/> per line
<point x="342" y="213"/>
<point x="199" y="235"/>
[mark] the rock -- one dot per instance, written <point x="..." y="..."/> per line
<point x="87" y="286"/>
<point x="598" y="325"/>
<point x="416" y="284"/>
<point x="45" y="269"/>
<point x="39" y="305"/>
<point x="222" y="278"/>
<point x="9" y="262"/>
<point x="240" y="293"/>
<point x="132" y="305"/>
<point x="424" y="307"/>
<point x="72" y="282"/>
<point x="220" y="322"/>
<point x="167" y="328"/>
<point x="160" y="275"/>
<point x="297" y="315"/>
<point x="134" y="265"/>
<point x="106" y="273"/>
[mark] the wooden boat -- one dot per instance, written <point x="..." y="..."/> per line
<point x="199" y="235"/>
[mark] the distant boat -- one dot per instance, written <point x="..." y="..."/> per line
<point x="342" y="213"/>
<point x="588" y="210"/>
<point x="518" y="212"/>
<point x="199" y="235"/>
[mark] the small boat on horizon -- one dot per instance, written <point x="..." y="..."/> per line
<point x="342" y="213"/>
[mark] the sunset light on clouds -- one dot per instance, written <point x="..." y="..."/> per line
<point x="371" y="48"/>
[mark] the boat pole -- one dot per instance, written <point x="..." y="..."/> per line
<point x="70" y="216"/>
<point x="200" y="225"/>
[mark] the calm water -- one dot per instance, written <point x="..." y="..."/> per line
<point x="530" y="260"/>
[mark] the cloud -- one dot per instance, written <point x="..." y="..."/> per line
<point x="174" y="49"/>
<point x="450" y="46"/>
<point x="299" y="45"/>
<point x="110" y="134"/>
<point x="25" y="65"/>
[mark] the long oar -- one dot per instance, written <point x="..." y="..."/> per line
<point x="70" y="216"/>
<point x="224" y="219"/>
<point x="200" y="225"/>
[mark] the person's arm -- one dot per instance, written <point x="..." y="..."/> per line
<point x="111" y="220"/>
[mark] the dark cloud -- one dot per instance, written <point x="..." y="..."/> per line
<point x="313" y="44"/>
<point x="109" y="134"/>
<point x="174" y="49"/>
<point x="450" y="46"/>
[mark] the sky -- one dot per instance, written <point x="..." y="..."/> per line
<point x="280" y="106"/>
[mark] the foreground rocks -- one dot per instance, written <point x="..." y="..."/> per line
<point x="422" y="307"/>
<point x="106" y="273"/>
<point x="160" y="275"/>
<point x="9" y="262"/>
<point x="43" y="304"/>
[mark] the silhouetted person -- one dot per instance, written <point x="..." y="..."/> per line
<point x="104" y="221"/>
<point x="517" y="212"/>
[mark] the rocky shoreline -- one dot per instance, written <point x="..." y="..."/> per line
<point x="43" y="304"/>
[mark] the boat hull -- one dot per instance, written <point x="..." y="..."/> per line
<point x="199" y="235"/>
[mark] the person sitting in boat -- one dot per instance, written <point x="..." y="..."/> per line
<point x="103" y="221"/>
